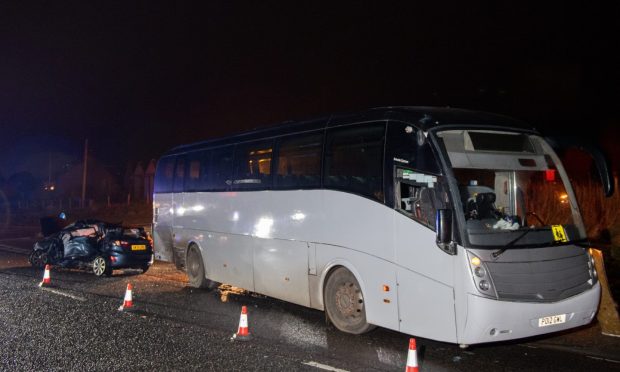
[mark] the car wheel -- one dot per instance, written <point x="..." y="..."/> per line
<point x="101" y="266"/>
<point x="38" y="259"/>
<point x="344" y="302"/>
<point x="145" y="268"/>
<point x="196" y="270"/>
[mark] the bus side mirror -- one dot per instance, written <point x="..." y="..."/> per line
<point x="443" y="227"/>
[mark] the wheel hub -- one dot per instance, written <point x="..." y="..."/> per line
<point x="99" y="266"/>
<point x="348" y="300"/>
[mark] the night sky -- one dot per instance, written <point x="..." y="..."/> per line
<point x="139" y="78"/>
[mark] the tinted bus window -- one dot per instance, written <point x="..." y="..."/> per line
<point x="354" y="159"/>
<point x="164" y="175"/>
<point x="299" y="161"/>
<point x="403" y="149"/>
<point x="219" y="172"/>
<point x="196" y="171"/>
<point x="179" y="174"/>
<point x="253" y="166"/>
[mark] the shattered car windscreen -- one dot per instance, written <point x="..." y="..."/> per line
<point x="510" y="184"/>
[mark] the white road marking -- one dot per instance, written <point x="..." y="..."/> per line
<point x="604" y="359"/>
<point x="12" y="249"/>
<point x="64" y="294"/>
<point x="324" y="366"/>
<point x="610" y="334"/>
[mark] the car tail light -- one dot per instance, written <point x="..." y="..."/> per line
<point x="112" y="258"/>
<point x="121" y="243"/>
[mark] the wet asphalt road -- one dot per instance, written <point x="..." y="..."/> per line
<point x="76" y="325"/>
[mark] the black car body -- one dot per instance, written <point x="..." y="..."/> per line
<point x="95" y="244"/>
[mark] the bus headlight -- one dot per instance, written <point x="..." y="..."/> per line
<point x="481" y="276"/>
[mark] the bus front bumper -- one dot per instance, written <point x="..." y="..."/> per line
<point x="491" y="320"/>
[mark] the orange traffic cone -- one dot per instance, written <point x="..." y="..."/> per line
<point x="127" y="303"/>
<point x="243" y="334"/>
<point x="412" y="357"/>
<point x="46" y="277"/>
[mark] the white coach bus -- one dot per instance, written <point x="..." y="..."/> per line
<point x="453" y="225"/>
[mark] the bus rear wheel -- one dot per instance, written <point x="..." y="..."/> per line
<point x="196" y="270"/>
<point x="344" y="302"/>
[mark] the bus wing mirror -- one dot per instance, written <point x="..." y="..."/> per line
<point x="600" y="160"/>
<point x="443" y="227"/>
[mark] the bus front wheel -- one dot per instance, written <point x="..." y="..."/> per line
<point x="344" y="302"/>
<point x="196" y="270"/>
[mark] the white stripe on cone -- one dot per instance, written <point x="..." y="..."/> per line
<point x="412" y="357"/>
<point x="127" y="302"/>
<point x="243" y="333"/>
<point x="243" y="322"/>
<point x="46" y="277"/>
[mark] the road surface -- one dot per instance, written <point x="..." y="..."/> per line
<point x="76" y="325"/>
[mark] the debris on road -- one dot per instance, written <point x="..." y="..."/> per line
<point x="226" y="289"/>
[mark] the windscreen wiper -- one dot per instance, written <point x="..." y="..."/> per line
<point x="583" y="243"/>
<point x="511" y="243"/>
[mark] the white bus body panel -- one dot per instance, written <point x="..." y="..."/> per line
<point x="425" y="282"/>
<point x="512" y="320"/>
<point x="162" y="226"/>
<point x="280" y="243"/>
<point x="477" y="315"/>
<point x="281" y="270"/>
<point x="357" y="233"/>
<point x="227" y="254"/>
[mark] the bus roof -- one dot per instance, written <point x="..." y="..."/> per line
<point x="423" y="118"/>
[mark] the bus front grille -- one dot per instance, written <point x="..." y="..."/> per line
<point x="541" y="281"/>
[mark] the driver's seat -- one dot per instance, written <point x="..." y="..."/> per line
<point x="485" y="204"/>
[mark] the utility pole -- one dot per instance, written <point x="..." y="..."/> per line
<point x="84" y="171"/>
<point x="49" y="169"/>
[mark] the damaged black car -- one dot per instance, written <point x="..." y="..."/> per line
<point x="96" y="245"/>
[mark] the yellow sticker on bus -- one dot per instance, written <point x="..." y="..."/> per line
<point x="559" y="235"/>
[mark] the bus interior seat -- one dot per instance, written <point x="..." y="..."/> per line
<point x="427" y="205"/>
<point x="485" y="204"/>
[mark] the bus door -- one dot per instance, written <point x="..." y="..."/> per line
<point x="424" y="272"/>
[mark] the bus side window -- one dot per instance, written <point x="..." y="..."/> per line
<point x="179" y="174"/>
<point x="403" y="149"/>
<point x="164" y="175"/>
<point x="219" y="173"/>
<point x="195" y="171"/>
<point x="418" y="202"/>
<point x="419" y="195"/>
<point x="299" y="161"/>
<point x="252" y="168"/>
<point x="354" y="160"/>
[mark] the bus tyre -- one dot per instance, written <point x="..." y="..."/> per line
<point x="344" y="302"/>
<point x="196" y="270"/>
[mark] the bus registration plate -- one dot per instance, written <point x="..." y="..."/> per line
<point x="551" y="320"/>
